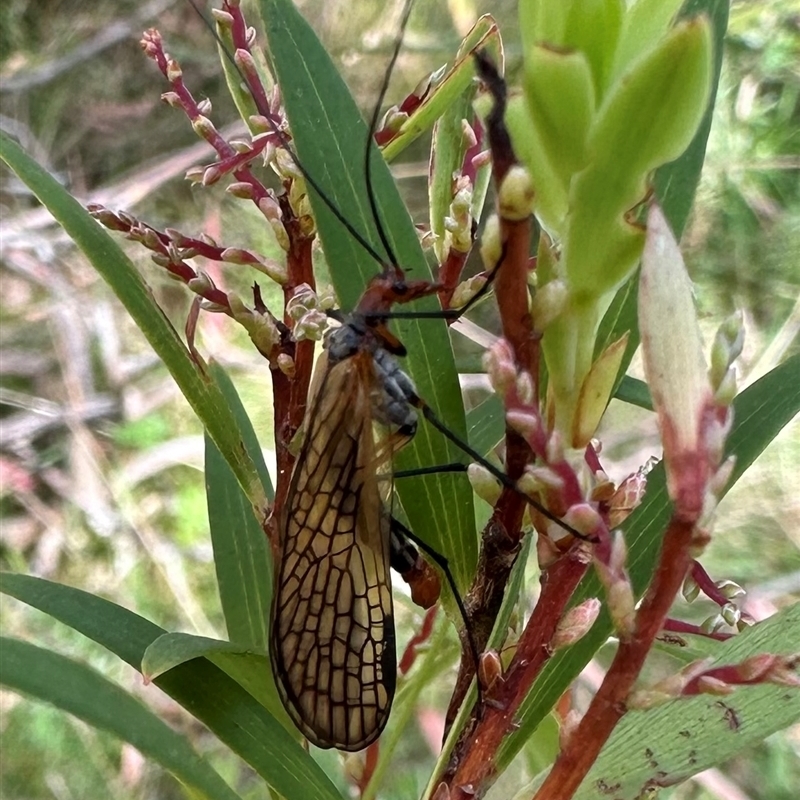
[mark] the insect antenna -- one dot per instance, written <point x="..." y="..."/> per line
<point x="369" y="150"/>
<point x="449" y="314"/>
<point x="305" y="475"/>
<point x="496" y="473"/>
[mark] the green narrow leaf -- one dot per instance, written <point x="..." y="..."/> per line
<point x="331" y="137"/>
<point x="675" y="185"/>
<point x="241" y="552"/>
<point x="82" y="692"/>
<point x="760" y="412"/>
<point x="250" y="668"/>
<point x="635" y="392"/>
<point x="484" y="36"/>
<point x="671" y="743"/>
<point x="117" y="270"/>
<point x="487" y="424"/>
<point x="219" y="702"/>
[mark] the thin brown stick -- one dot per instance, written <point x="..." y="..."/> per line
<point x="474" y="765"/>
<point x="500" y="541"/>
<point x="608" y="705"/>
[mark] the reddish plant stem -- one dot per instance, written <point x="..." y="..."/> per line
<point x="449" y="274"/>
<point x="239" y="37"/>
<point x="707" y="585"/>
<point x="679" y="626"/>
<point x="412" y="648"/>
<point x="473" y="764"/>
<point x="608" y="705"/>
<point x="500" y="541"/>
<point x="290" y="393"/>
<point x="511" y="288"/>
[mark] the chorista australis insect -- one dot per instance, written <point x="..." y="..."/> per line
<point x="333" y="643"/>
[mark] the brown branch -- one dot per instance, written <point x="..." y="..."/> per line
<point x="608" y="705"/>
<point x="290" y="393"/>
<point x="473" y="766"/>
<point x="679" y="626"/>
<point x="500" y="541"/>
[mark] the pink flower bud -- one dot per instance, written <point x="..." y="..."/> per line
<point x="584" y="518"/>
<point x="241" y="189"/>
<point x="202" y="284"/>
<point x="223" y="18"/>
<point x="211" y="175"/>
<point x="501" y="367"/>
<point x="710" y="685"/>
<point x="516" y="195"/>
<point x="555" y="448"/>
<point x="490" y="669"/>
<point x="675" y="366"/>
<point x="483" y="483"/>
<point x="575" y="623"/>
<point x="525" y="388"/>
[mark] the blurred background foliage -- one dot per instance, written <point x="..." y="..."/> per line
<point x="100" y="458"/>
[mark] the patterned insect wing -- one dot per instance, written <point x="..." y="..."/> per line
<point x="332" y="646"/>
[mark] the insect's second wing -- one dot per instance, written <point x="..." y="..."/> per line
<point x="332" y="643"/>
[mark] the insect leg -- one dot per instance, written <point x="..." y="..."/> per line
<point x="429" y="415"/>
<point x="413" y="473"/>
<point x="422" y="579"/>
<point x="400" y="530"/>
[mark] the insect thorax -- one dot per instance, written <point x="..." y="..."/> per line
<point x="393" y="391"/>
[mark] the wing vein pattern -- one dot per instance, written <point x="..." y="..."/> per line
<point x="332" y="644"/>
